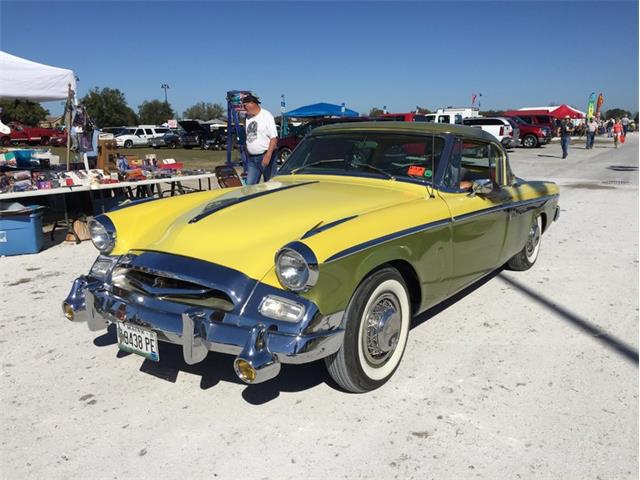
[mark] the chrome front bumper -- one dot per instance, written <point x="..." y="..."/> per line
<point x="261" y="341"/>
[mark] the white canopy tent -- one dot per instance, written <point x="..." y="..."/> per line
<point x="22" y="79"/>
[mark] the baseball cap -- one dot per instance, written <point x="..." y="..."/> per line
<point x="250" y="98"/>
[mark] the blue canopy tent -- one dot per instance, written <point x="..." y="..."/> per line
<point x="321" y="110"/>
<point x="317" y="110"/>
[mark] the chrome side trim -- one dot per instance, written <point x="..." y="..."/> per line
<point x="506" y="206"/>
<point x="218" y="205"/>
<point x="387" y="238"/>
<point x="326" y="226"/>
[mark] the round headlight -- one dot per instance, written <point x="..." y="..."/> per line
<point x="296" y="267"/>
<point x="102" y="233"/>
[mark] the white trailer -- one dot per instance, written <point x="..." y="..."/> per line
<point x="452" y="115"/>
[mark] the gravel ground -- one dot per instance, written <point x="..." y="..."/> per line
<point x="527" y="375"/>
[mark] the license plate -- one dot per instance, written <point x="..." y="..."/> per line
<point x="138" y="340"/>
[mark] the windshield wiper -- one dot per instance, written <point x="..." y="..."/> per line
<point x="371" y="167"/>
<point x="313" y="164"/>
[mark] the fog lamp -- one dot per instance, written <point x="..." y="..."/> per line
<point x="280" y="308"/>
<point x="244" y="370"/>
<point x="68" y="311"/>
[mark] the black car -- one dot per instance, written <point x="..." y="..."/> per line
<point x="199" y="134"/>
<point x="169" y="140"/>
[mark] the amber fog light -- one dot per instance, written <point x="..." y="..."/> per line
<point x="244" y="370"/>
<point x="68" y="311"/>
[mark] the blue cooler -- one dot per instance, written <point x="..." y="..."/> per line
<point x="21" y="232"/>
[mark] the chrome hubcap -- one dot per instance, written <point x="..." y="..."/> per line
<point x="534" y="238"/>
<point x="383" y="325"/>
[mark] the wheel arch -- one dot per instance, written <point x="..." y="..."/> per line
<point x="409" y="275"/>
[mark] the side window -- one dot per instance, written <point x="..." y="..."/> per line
<point x="478" y="162"/>
<point x="138" y="132"/>
<point x="451" y="177"/>
<point x="458" y="119"/>
<point x="443" y="119"/>
<point x="148" y="131"/>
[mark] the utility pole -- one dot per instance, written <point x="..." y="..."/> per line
<point x="165" y="86"/>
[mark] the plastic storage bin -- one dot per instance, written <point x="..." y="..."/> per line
<point x="21" y="232"/>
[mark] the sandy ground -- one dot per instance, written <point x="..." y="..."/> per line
<point x="528" y="375"/>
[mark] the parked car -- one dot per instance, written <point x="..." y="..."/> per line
<point x="532" y="135"/>
<point x="406" y="117"/>
<point x="139" y="136"/>
<point x="198" y="134"/>
<point x="25" y="134"/>
<point x="505" y="130"/>
<point x="538" y="120"/>
<point x="170" y="139"/>
<point x="287" y="144"/>
<point x="365" y="226"/>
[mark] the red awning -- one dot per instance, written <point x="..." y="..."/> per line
<point x="557" y="112"/>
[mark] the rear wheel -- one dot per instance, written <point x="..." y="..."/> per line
<point x="376" y="332"/>
<point x="5" y="141"/>
<point x="529" y="141"/>
<point x="525" y="258"/>
<point x="44" y="141"/>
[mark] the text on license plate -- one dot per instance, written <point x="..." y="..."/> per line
<point x="134" y="339"/>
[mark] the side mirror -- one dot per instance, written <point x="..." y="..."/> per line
<point x="483" y="186"/>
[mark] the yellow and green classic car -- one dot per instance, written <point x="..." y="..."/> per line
<point x="365" y="226"/>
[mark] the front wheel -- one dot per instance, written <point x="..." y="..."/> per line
<point x="128" y="144"/>
<point x="282" y="155"/>
<point x="529" y="141"/>
<point x="376" y="331"/>
<point x="525" y="258"/>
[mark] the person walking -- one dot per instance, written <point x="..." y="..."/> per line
<point x="617" y="132"/>
<point x="565" y="130"/>
<point x="262" y="139"/>
<point x="625" y="124"/>
<point x="592" y="127"/>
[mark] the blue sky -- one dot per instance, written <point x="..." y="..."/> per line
<point x="366" y="54"/>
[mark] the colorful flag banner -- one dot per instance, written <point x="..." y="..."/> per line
<point x="591" y="106"/>
<point x="599" y="104"/>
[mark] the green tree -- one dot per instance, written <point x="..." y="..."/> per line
<point x="616" y="113"/>
<point x="375" y="112"/>
<point x="154" y="112"/>
<point x="24" y="112"/>
<point x="108" y="108"/>
<point x="492" y="113"/>
<point x="424" y="111"/>
<point x="205" y="111"/>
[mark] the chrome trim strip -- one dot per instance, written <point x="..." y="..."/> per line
<point x="387" y="238"/>
<point x="222" y="204"/>
<point x="506" y="206"/>
<point x="326" y="226"/>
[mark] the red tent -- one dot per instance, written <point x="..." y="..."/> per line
<point x="556" y="112"/>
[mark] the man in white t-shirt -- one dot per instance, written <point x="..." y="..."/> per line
<point x="262" y="139"/>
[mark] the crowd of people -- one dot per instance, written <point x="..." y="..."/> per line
<point x="616" y="128"/>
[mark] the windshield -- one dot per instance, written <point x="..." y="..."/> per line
<point x="397" y="156"/>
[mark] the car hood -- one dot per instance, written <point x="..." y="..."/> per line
<point x="243" y="228"/>
<point x="191" y="126"/>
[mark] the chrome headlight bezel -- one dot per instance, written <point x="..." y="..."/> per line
<point x="103" y="233"/>
<point x="300" y="254"/>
